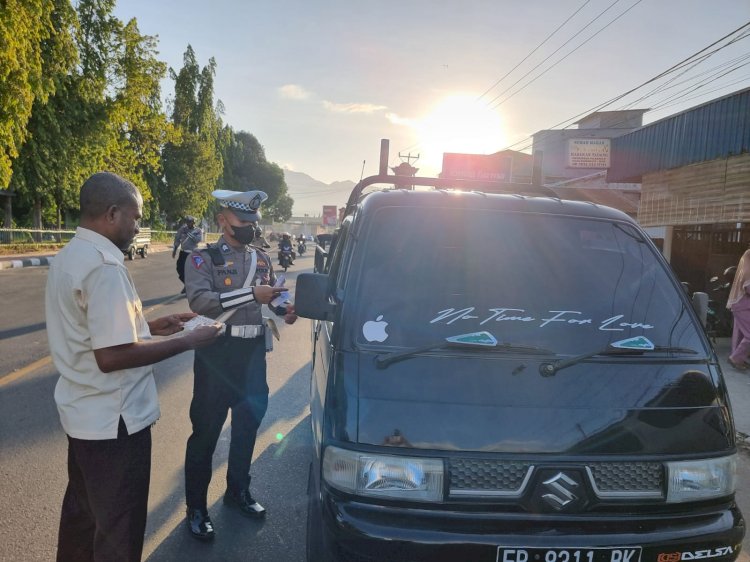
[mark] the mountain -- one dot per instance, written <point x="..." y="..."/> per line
<point x="310" y="194"/>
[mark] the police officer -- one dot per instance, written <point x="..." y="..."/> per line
<point x="231" y="373"/>
<point x="187" y="239"/>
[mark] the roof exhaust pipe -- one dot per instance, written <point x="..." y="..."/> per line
<point x="384" y="148"/>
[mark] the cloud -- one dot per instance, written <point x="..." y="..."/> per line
<point x="398" y="120"/>
<point x="353" y="107"/>
<point x="294" y="92"/>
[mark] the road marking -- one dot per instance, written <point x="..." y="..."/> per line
<point x="23" y="371"/>
<point x="44" y="361"/>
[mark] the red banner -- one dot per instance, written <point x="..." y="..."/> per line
<point x="330" y="215"/>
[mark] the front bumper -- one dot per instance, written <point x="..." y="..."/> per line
<point x="360" y="532"/>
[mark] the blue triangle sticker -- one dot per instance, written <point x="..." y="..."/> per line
<point x="475" y="338"/>
<point x="638" y="342"/>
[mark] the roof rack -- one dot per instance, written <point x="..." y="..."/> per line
<point x="410" y="182"/>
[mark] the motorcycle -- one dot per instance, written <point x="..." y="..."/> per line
<point x="285" y="259"/>
<point x="719" y="320"/>
<point x="301" y="247"/>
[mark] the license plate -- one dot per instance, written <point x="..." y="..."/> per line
<point x="534" y="554"/>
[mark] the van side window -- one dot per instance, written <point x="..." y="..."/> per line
<point x="339" y="264"/>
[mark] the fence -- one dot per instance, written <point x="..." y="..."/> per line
<point x="31" y="236"/>
<point x="34" y="236"/>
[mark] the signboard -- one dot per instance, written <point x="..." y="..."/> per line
<point x="588" y="153"/>
<point x="330" y="215"/>
<point x="491" y="167"/>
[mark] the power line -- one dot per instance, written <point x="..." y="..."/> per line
<point x="417" y="144"/>
<point x="563" y="58"/>
<point x="687" y="91"/>
<point x="740" y="81"/>
<point x="649" y="81"/>
<point x="664" y="87"/>
<point x="555" y="51"/>
<point x="533" y="51"/>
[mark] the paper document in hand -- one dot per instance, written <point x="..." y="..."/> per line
<point x="199" y="320"/>
<point x="284" y="297"/>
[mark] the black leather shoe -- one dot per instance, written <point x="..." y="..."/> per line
<point x="200" y="524"/>
<point x="245" y="503"/>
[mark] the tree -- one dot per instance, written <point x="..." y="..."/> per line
<point x="246" y="167"/>
<point x="69" y="134"/>
<point x="38" y="156"/>
<point x="192" y="166"/>
<point x="137" y="124"/>
<point x="35" y="46"/>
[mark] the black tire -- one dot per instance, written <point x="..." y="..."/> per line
<point x="131" y="253"/>
<point x="314" y="541"/>
<point x="144" y="252"/>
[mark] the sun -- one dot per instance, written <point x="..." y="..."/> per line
<point x="458" y="123"/>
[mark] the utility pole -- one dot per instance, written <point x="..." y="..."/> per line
<point x="405" y="168"/>
<point x="408" y="158"/>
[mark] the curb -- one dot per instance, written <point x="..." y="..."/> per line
<point x="18" y="262"/>
<point x="26" y="262"/>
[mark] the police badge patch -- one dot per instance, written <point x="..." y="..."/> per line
<point x="198" y="261"/>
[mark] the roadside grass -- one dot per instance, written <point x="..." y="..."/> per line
<point x="22" y="248"/>
<point x="13" y="249"/>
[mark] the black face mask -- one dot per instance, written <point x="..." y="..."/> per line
<point x="244" y="234"/>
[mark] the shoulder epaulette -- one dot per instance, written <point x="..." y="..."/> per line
<point x="216" y="256"/>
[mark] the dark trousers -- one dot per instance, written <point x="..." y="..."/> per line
<point x="105" y="506"/>
<point x="229" y="374"/>
<point x="181" y="259"/>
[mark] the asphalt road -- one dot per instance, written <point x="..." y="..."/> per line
<point x="33" y="446"/>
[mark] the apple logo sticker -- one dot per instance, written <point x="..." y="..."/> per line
<point x="374" y="330"/>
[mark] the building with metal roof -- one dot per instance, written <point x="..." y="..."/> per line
<point x="694" y="171"/>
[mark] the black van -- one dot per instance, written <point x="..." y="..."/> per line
<point x="511" y="378"/>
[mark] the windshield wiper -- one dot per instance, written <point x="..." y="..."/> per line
<point x="549" y="369"/>
<point x="382" y="361"/>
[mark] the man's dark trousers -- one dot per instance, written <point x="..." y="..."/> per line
<point x="230" y="373"/>
<point x="181" y="259"/>
<point x="106" y="502"/>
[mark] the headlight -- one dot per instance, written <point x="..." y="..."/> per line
<point x="701" y="479"/>
<point x="385" y="476"/>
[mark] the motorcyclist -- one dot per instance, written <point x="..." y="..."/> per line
<point x="285" y="245"/>
<point x="301" y="244"/>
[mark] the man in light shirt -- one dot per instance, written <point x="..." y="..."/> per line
<point x="103" y="346"/>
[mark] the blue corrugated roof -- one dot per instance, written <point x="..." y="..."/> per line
<point x="716" y="129"/>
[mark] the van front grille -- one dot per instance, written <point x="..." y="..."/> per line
<point x="487" y="477"/>
<point x="612" y="479"/>
<point x="503" y="478"/>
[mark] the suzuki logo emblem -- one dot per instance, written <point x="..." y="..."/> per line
<point x="560" y="488"/>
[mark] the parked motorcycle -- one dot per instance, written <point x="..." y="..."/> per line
<point x="719" y="320"/>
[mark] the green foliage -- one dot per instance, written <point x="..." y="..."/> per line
<point x="80" y="92"/>
<point x="34" y="45"/>
<point x="138" y="128"/>
<point x="68" y="134"/>
<point x="193" y="166"/>
<point x="246" y="168"/>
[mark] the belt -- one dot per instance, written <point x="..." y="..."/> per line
<point x="250" y="331"/>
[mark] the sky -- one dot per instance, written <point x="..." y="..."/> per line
<point x="320" y="82"/>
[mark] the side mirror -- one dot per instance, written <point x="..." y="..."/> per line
<point x="700" y="305"/>
<point x="311" y="297"/>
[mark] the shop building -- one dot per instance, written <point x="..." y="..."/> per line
<point x="694" y="171"/>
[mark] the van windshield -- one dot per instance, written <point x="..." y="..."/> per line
<point x="563" y="283"/>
